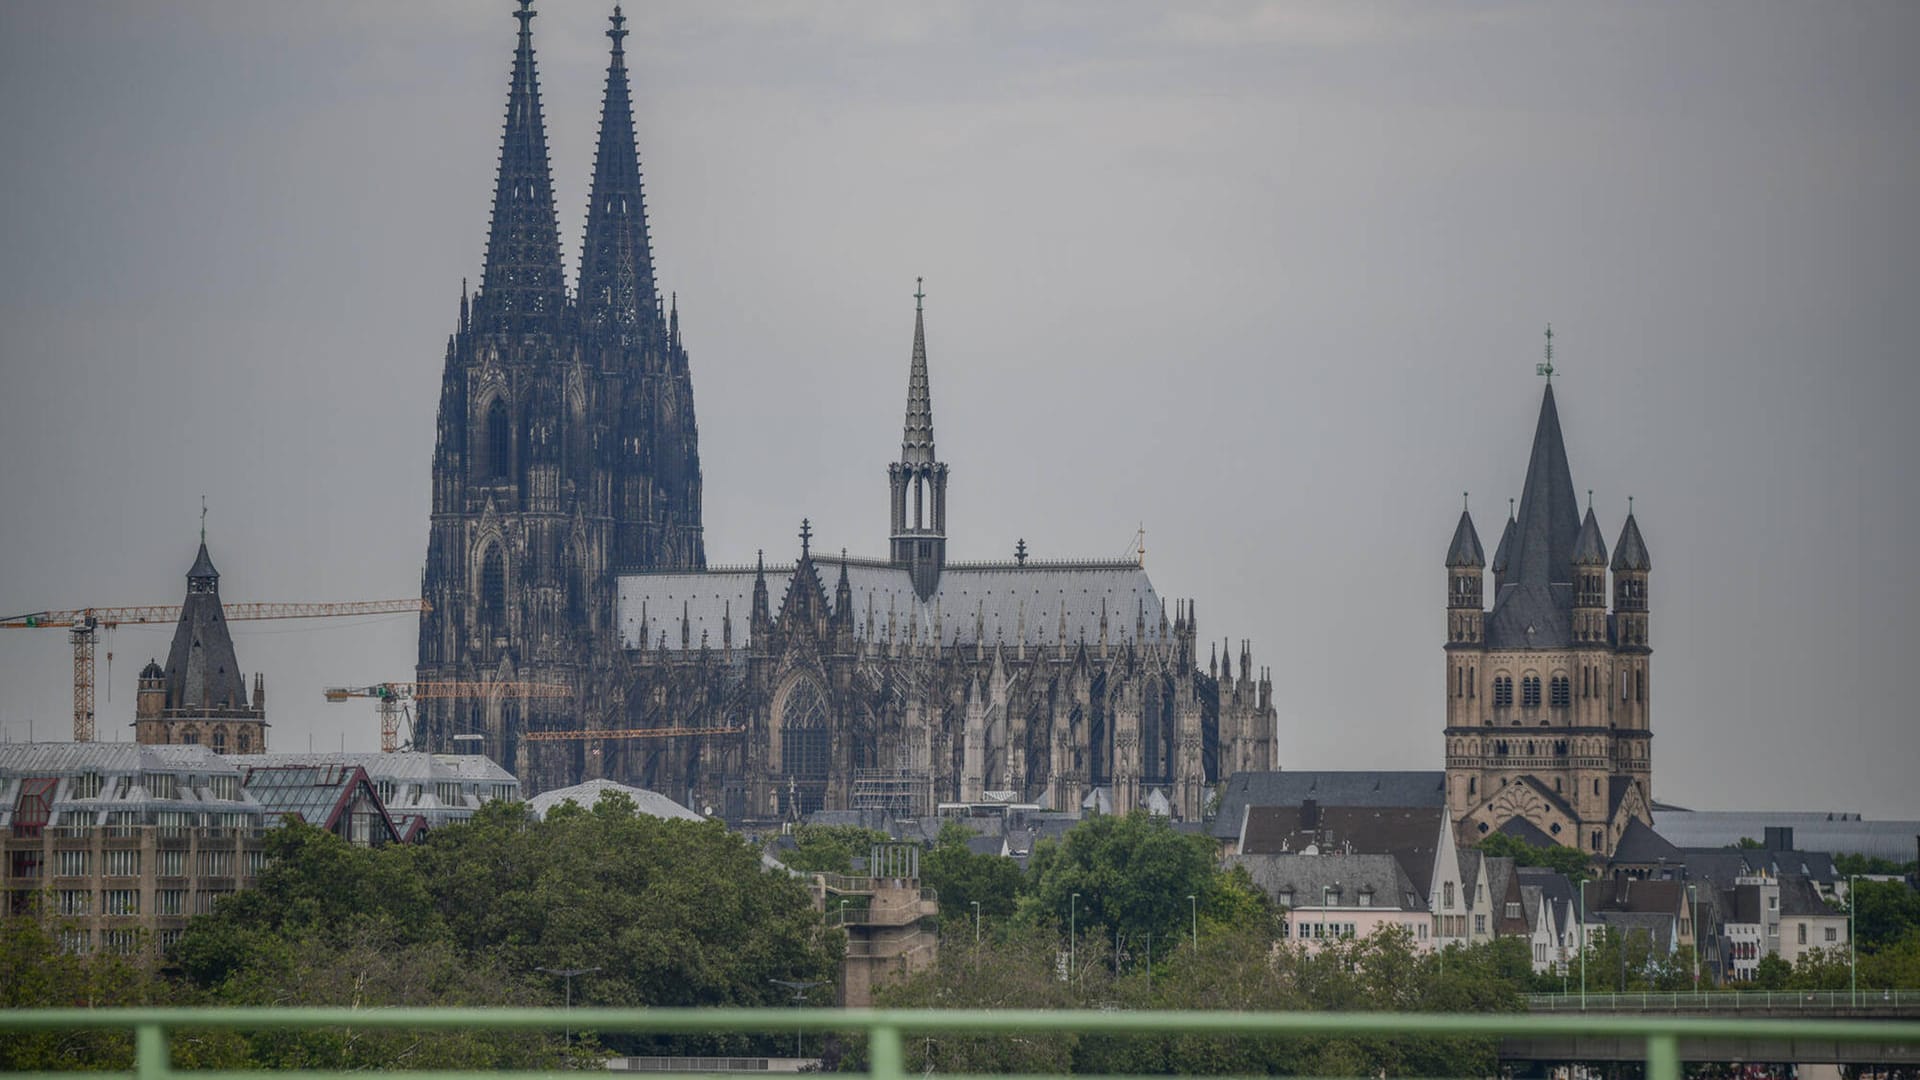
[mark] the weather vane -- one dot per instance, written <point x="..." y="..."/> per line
<point x="806" y="535"/>
<point x="203" y="519"/>
<point x="919" y="292"/>
<point x="1545" y="370"/>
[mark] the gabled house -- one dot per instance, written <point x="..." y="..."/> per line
<point x="337" y="798"/>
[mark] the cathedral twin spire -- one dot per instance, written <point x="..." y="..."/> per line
<point x="523" y="288"/>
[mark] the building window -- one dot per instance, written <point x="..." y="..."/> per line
<point x="1366" y="898"/>
<point x="123" y="901"/>
<point x="162" y="785"/>
<point x="1833" y="935"/>
<point x="76" y="902"/>
<point x="170" y="902"/>
<point x="226" y="787"/>
<point x="499" y="445"/>
<point x="1562" y="692"/>
<point x="1802" y="927"/>
<point x="220" y="740"/>
<point x="1513" y="911"/>
<point x="493" y="583"/>
<point x="244" y="743"/>
<point x="123" y="864"/>
<point x="1286" y="898"/>
<point x="1502" y="691"/>
<point x="1446" y="891"/>
<point x="1479" y="924"/>
<point x="1530" y="692"/>
<point x="87" y="786"/>
<point x="73" y="863"/>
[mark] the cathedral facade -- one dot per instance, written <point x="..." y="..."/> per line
<point x="1547" y="692"/>
<point x="566" y="548"/>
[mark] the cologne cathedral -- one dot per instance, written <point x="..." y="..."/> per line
<point x="566" y="549"/>
<point x="1547" y="697"/>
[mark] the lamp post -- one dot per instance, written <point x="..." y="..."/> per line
<point x="1853" y="951"/>
<point x="1581" y="887"/>
<point x="568" y="974"/>
<point x="799" y="992"/>
<point x="976" y="924"/>
<point x="1693" y="897"/>
<point x="1195" y="905"/>
<point x="1073" y="935"/>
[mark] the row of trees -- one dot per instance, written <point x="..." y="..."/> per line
<point x="661" y="912"/>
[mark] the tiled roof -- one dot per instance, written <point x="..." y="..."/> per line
<point x="1308" y="877"/>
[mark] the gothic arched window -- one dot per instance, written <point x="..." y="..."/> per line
<point x="219" y="740"/>
<point x="493" y="583"/>
<point x="803" y="732"/>
<point x="1530" y="691"/>
<point x="499" y="441"/>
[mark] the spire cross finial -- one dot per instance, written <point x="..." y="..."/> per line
<point x="1463" y="500"/>
<point x="1589" y="498"/>
<point x="1020" y="552"/>
<point x="525" y="15"/>
<point x="619" y="29"/>
<point x="919" y="292"/>
<point x="1509" y="508"/>
<point x="1546" y="369"/>
<point x="1629" y="506"/>
<point x="806" y="536"/>
<point x="203" y="519"/>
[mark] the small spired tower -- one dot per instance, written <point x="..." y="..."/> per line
<point x="919" y="541"/>
<point x="200" y="696"/>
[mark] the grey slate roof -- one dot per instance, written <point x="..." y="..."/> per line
<point x="1308" y="877"/>
<point x="1799" y="897"/>
<point x="126" y="771"/>
<point x="984" y="603"/>
<point x="1657" y="927"/>
<point x="1410" y="834"/>
<point x="1526" y="832"/>
<point x="1641" y="845"/>
<point x="1589" y="549"/>
<point x="1503" y="553"/>
<point x="1532" y="606"/>
<point x="201" y="671"/>
<point x="1327" y="788"/>
<point x="1465" y="551"/>
<point x="1631" y="552"/>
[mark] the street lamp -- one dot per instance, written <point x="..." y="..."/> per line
<point x="976" y="924"/>
<point x="1694" y="897"/>
<point x="1581" y="888"/>
<point x="799" y="992"/>
<point x="1853" y="951"/>
<point x="1195" y="905"/>
<point x="1073" y="935"/>
<point x="568" y="974"/>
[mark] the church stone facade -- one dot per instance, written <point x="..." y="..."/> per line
<point x="566" y="547"/>
<point x="1547" y="693"/>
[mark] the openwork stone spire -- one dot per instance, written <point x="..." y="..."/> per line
<point x="522" y="289"/>
<point x="916" y="442"/>
<point x="616" y="260"/>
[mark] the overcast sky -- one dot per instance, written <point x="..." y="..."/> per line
<point x="1269" y="279"/>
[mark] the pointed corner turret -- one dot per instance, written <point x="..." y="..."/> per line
<point x="201" y="576"/>
<point x="1465" y="551"/>
<point x="1588" y="548"/>
<point x="1630" y="553"/>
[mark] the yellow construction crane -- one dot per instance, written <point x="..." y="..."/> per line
<point x="84" y="624"/>
<point x="393" y="696"/>
<point x="630" y="733"/>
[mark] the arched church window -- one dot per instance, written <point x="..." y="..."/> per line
<point x="803" y="732"/>
<point x="1502" y="691"/>
<point x="219" y="740"/>
<point x="493" y="583"/>
<point x="1530" y="692"/>
<point x="499" y="441"/>
<point x="244" y="743"/>
<point x="1562" y="692"/>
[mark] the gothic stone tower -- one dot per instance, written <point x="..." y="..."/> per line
<point x="1547" y="733"/>
<point x="201" y="696"/>
<point x="565" y="450"/>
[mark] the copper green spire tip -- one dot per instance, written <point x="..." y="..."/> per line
<point x="1546" y="369"/>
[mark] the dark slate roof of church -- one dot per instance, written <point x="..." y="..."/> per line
<point x="1503" y="553"/>
<point x="1799" y="897"/>
<point x="1526" y="832"/>
<point x="1639" y="844"/>
<point x="202" y="671"/>
<point x="1532" y="608"/>
<point x="1465" y="549"/>
<point x="1589" y="549"/>
<point x="1326" y="787"/>
<point x="1631" y="552"/>
<point x="988" y="603"/>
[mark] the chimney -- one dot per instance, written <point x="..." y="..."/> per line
<point x="1779" y="838"/>
<point x="1309" y="814"/>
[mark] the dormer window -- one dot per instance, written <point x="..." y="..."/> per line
<point x="1366" y="897"/>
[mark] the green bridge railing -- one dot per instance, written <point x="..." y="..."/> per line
<point x="885" y="1028"/>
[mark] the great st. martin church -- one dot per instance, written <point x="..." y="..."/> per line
<point x="566" y="547"/>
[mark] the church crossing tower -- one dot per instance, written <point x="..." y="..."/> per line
<point x="1547" y="735"/>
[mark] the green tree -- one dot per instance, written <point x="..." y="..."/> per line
<point x="1771" y="973"/>
<point x="1570" y="861"/>
<point x="1133" y="875"/>
<point x="829" y="849"/>
<point x="1884" y="912"/>
<point x="960" y="877"/>
<point x="1871" y="864"/>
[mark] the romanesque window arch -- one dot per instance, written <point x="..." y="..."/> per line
<point x="498" y="453"/>
<point x="1562" y="692"/>
<point x="1530" y="692"/>
<point x="1502" y="691"/>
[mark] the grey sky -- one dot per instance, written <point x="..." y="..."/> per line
<point x="1270" y="279"/>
